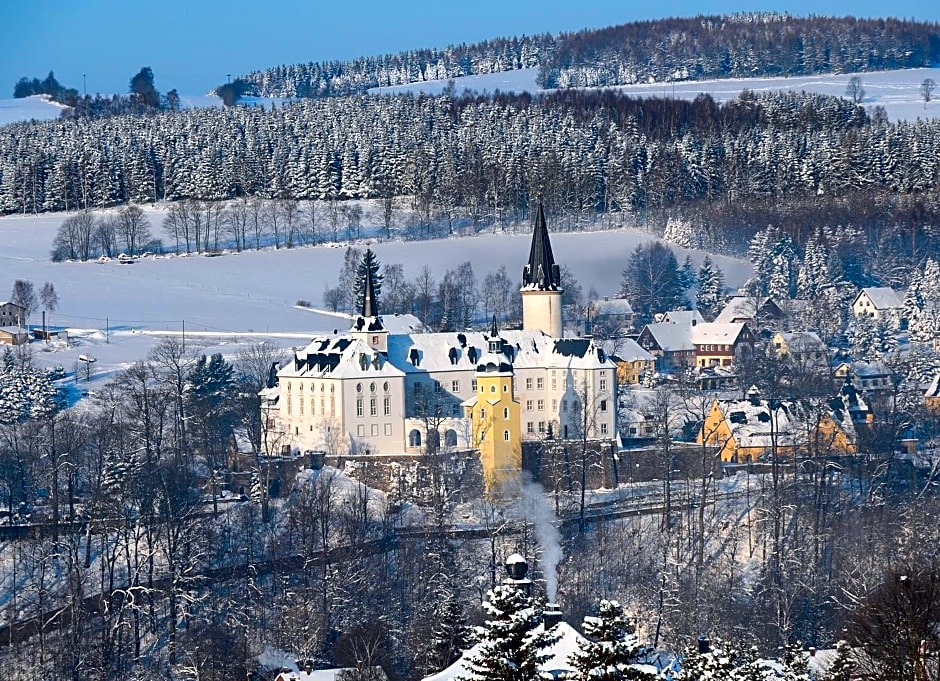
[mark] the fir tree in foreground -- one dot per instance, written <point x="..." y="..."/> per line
<point x="611" y="648"/>
<point x="513" y="643"/>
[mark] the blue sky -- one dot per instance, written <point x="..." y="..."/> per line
<point x="192" y="45"/>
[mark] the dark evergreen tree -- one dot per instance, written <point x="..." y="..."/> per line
<point x="652" y="281"/>
<point x="710" y="296"/>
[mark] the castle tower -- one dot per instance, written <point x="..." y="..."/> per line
<point x="495" y="415"/>
<point x="368" y="326"/>
<point x="541" y="283"/>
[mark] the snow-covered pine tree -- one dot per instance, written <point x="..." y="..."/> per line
<point x="722" y="662"/>
<point x="843" y="665"/>
<point x="512" y="645"/>
<point x="711" y="289"/>
<point x="610" y="649"/>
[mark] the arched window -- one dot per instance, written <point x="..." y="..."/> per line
<point x="506" y="413"/>
<point x="414" y="438"/>
<point x="506" y="436"/>
<point x="492" y="388"/>
<point x="450" y="438"/>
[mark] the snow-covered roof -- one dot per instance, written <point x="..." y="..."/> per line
<point x="882" y="297"/>
<point x="15" y="330"/>
<point x="627" y="350"/>
<point x="671" y="337"/>
<point x="7" y="302"/>
<point x="557" y="663"/>
<point x="612" y="306"/>
<point x="801" y="341"/>
<point x="315" y="675"/>
<point x="739" y="307"/>
<point x="724" y="334"/>
<point x="686" y="317"/>
<point x="934" y="389"/>
<point x="870" y="369"/>
<point x="338" y="357"/>
<point x="791" y="423"/>
<point x="451" y="351"/>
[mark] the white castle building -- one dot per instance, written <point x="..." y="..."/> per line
<point x="370" y="390"/>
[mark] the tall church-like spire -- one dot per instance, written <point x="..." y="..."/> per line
<point x="370" y="305"/>
<point x="541" y="273"/>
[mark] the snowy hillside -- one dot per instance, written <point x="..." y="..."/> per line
<point x="35" y="108"/>
<point x="897" y="91"/>
<point x="252" y="295"/>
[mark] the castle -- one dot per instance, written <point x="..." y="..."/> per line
<point x="370" y="390"/>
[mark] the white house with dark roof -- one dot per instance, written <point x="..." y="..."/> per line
<point x="876" y="302"/>
<point x="372" y="390"/>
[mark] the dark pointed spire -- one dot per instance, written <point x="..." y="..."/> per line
<point x="495" y="342"/>
<point x="541" y="273"/>
<point x="370" y="305"/>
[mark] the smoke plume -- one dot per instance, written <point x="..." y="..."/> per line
<point x="543" y="520"/>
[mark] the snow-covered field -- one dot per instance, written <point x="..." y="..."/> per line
<point x="41" y="108"/>
<point x="245" y="297"/>
<point x="897" y="91"/>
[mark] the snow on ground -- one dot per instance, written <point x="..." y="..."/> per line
<point x="37" y="107"/>
<point x="41" y="108"/>
<point x="897" y="91"/>
<point x="246" y="297"/>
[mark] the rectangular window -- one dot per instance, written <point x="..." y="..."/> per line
<point x="387" y="406"/>
<point x="301" y="405"/>
<point x="359" y="407"/>
<point x="541" y="426"/>
<point x="540" y="384"/>
<point x="603" y="428"/>
<point x="530" y="427"/>
<point x="455" y="386"/>
<point x="541" y="404"/>
<point x="375" y="429"/>
<point x="438" y="387"/>
<point x="388" y="428"/>
<point x="603" y="405"/>
<point x="603" y="384"/>
<point x="528" y="405"/>
<point x="473" y="385"/>
<point x="373" y="407"/>
<point x="332" y="406"/>
<point x="322" y="406"/>
<point x="554" y="384"/>
<point x="554" y="406"/>
<point x="360" y="430"/>
<point x="528" y="384"/>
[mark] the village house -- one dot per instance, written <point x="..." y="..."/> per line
<point x="614" y="315"/>
<point x="754" y="312"/>
<point x="932" y="396"/>
<point x="12" y="314"/>
<point x="800" y="347"/>
<point x="866" y="376"/>
<point x="693" y="344"/>
<point x="633" y="362"/>
<point x="755" y="428"/>
<point x="877" y="303"/>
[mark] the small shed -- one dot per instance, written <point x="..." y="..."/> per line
<point x="13" y="335"/>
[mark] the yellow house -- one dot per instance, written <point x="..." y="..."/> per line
<point x="494" y="413"/>
<point x="633" y="362"/>
<point x="748" y="430"/>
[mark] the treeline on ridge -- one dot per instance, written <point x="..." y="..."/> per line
<point x="702" y="47"/>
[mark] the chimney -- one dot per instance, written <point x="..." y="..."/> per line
<point x="551" y="616"/>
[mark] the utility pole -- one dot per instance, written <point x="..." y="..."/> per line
<point x="229" y="77"/>
<point x="84" y="85"/>
<point x="107" y="331"/>
<point x="184" y="335"/>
